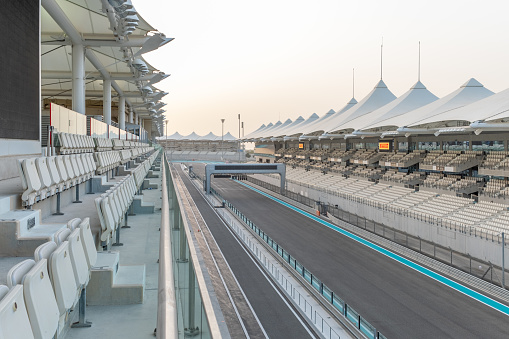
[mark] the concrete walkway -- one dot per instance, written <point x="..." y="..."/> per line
<point x="141" y="246"/>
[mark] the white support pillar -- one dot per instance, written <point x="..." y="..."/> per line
<point x="136" y="119"/>
<point x="121" y="113"/>
<point x="131" y="115"/>
<point x="107" y="101"/>
<point x="78" y="78"/>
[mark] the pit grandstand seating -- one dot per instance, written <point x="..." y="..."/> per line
<point x="44" y="177"/>
<point x="113" y="205"/>
<point x="69" y="143"/>
<point x="49" y="286"/>
<point x="14" y="321"/>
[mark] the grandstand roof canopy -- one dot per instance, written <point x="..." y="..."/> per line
<point x="195" y="137"/>
<point x="228" y="137"/>
<point x="418" y="111"/>
<point x="378" y="97"/>
<point x="277" y="130"/>
<point x="174" y="136"/>
<point x="258" y="130"/>
<point x="492" y="108"/>
<point x="267" y="131"/>
<point x="210" y="136"/>
<point x="417" y="96"/>
<point x="469" y="92"/>
<point x="192" y="136"/>
<point x="348" y="105"/>
<point x="296" y="122"/>
<point x="114" y="44"/>
<point x="316" y="125"/>
<point x="297" y="129"/>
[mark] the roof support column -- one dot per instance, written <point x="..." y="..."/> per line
<point x="131" y="115"/>
<point x="107" y="101"/>
<point x="136" y="119"/>
<point x="78" y="78"/>
<point x="121" y="113"/>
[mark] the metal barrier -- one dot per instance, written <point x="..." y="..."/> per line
<point x="166" y="307"/>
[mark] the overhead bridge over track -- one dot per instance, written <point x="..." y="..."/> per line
<point x="211" y="169"/>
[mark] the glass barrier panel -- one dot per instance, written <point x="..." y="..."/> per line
<point x="327" y="293"/>
<point x="338" y="303"/>
<point x="307" y="275"/>
<point x="316" y="283"/>
<point x="367" y="328"/>
<point x="298" y="267"/>
<point x="353" y="316"/>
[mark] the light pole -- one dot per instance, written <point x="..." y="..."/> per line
<point x="222" y="137"/>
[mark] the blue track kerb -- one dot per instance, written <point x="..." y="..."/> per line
<point x="444" y="280"/>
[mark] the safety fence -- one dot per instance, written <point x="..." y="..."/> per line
<point x="347" y="310"/>
<point x="184" y="306"/>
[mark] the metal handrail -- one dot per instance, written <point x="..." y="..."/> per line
<point x="167" y="306"/>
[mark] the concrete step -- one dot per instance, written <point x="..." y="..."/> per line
<point x="151" y="174"/>
<point x="147" y="185"/>
<point x="21" y="232"/>
<point x="9" y="202"/>
<point x="141" y="207"/>
<point x="114" y="284"/>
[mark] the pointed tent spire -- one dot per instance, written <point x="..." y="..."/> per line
<point x="472" y="83"/>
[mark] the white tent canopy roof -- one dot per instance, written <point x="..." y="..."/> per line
<point x="469" y="92"/>
<point x="262" y="127"/>
<point x="174" y="136"/>
<point x="192" y="136"/>
<point x="417" y="96"/>
<point x="309" y="127"/>
<point x="209" y="137"/>
<point x="228" y="137"/>
<point x="296" y="122"/>
<point x="492" y="108"/>
<point x="321" y="124"/>
<point x="378" y="97"/>
<point x="299" y="128"/>
<point x="349" y="105"/>
<point x="267" y="131"/>
<point x="275" y="131"/>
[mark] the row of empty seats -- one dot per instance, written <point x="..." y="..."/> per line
<point x="69" y="143"/>
<point x="46" y="176"/>
<point x="74" y="143"/>
<point x="425" y="205"/>
<point x="41" y="292"/>
<point x="112" y="206"/>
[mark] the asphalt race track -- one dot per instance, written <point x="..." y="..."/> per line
<point x="397" y="300"/>
<point x="275" y="316"/>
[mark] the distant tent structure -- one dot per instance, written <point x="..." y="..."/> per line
<point x="192" y="136"/>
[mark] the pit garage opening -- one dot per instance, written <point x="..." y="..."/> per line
<point x="235" y="169"/>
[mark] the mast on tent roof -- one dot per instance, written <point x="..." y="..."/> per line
<point x="381" y="57"/>
<point x="419" y="68"/>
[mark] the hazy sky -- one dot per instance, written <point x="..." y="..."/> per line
<point x="281" y="58"/>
